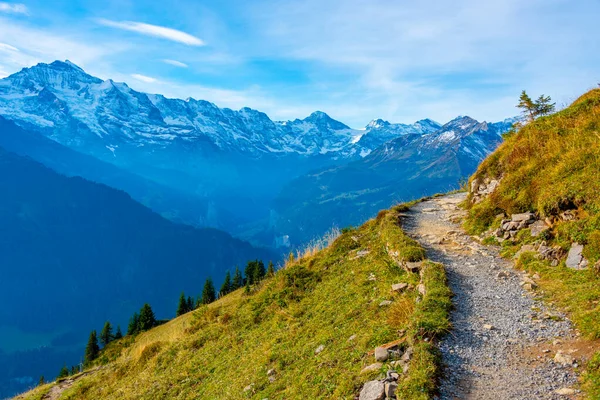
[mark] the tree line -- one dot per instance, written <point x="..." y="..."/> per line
<point x="141" y="321"/>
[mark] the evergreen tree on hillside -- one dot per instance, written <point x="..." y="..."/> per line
<point x="42" y="381"/>
<point x="190" y="304"/>
<point x="208" y="293"/>
<point x="259" y="271"/>
<point x="226" y="287"/>
<point x="249" y="272"/>
<point x="134" y="324"/>
<point x="64" y="372"/>
<point x="543" y="105"/>
<point x="527" y="105"/>
<point x="74" y="370"/>
<point x="182" y="308"/>
<point x="147" y="318"/>
<point x="118" y="334"/>
<point x="106" y="335"/>
<point x="237" y="281"/>
<point x="270" y="269"/>
<point x="91" y="350"/>
<point x="247" y="288"/>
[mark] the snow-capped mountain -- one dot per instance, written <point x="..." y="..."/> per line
<point x="77" y="109"/>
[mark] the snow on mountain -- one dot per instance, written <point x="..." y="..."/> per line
<point x="75" y="109"/>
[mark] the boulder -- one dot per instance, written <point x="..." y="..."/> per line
<point x="399" y="287"/>
<point x="381" y="354"/>
<point x="370" y="368"/>
<point x="390" y="390"/>
<point x="523" y="217"/>
<point x="575" y="256"/>
<point x="372" y="390"/>
<point x="537" y="228"/>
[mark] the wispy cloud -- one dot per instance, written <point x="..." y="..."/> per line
<point x="175" y="63"/>
<point x="144" y="78"/>
<point x="13" y="8"/>
<point x="154" y="30"/>
<point x="7" y="47"/>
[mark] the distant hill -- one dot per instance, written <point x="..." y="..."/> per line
<point x="75" y="253"/>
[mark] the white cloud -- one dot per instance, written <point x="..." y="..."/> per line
<point x="144" y="78"/>
<point x="175" y="63"/>
<point x="154" y="30"/>
<point x="7" y="47"/>
<point x="13" y="8"/>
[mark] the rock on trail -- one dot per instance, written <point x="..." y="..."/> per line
<point x="503" y="344"/>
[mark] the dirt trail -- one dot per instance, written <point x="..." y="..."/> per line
<point x="503" y="340"/>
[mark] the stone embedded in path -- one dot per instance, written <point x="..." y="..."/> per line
<point x="381" y="354"/>
<point x="372" y="390"/>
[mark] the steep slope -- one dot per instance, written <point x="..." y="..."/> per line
<point x="305" y="333"/>
<point x="550" y="168"/>
<point x="411" y="166"/>
<point x="75" y="253"/>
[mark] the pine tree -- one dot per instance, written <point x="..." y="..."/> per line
<point x="91" y="350"/>
<point x="270" y="269"/>
<point x="74" y="370"/>
<point x="134" y="324"/>
<point x="247" y="288"/>
<point x="190" y="304"/>
<point x="182" y="308"/>
<point x="64" y="372"/>
<point x="543" y="105"/>
<point x="237" y="281"/>
<point x="259" y="271"/>
<point x="106" y="335"/>
<point x="527" y="105"/>
<point x="226" y="287"/>
<point x="249" y="272"/>
<point x="147" y="318"/>
<point x="42" y="381"/>
<point x="208" y="293"/>
<point x="118" y="334"/>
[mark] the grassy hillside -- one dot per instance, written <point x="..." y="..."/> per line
<point x="328" y="298"/>
<point x="550" y="166"/>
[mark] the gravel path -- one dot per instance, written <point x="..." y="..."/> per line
<point x="503" y="340"/>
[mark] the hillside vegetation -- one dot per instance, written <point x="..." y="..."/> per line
<point x="304" y="333"/>
<point x="550" y="167"/>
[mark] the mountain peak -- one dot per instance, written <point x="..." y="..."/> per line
<point x="66" y="64"/>
<point x="322" y="119"/>
<point x="377" y="123"/>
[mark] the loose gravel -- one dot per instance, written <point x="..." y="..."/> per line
<point x="499" y="328"/>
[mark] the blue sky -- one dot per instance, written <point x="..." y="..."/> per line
<point x="356" y="60"/>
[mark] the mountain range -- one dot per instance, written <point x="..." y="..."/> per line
<point x="241" y="171"/>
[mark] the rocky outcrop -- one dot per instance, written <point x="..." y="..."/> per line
<point x="381" y="389"/>
<point x="509" y="227"/>
<point x="481" y="188"/>
<point x="575" y="259"/>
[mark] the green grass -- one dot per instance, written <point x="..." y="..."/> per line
<point x="546" y="167"/>
<point x="323" y="298"/>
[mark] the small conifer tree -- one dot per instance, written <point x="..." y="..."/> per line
<point x="259" y="271"/>
<point x="147" y="318"/>
<point x="106" y="335"/>
<point x="226" y="287"/>
<point x="42" y="381"/>
<point x="182" y="307"/>
<point x="190" y="304"/>
<point x="118" y="333"/>
<point x="208" y="293"/>
<point x="91" y="350"/>
<point x="237" y="281"/>
<point x="249" y="272"/>
<point x="74" y="370"/>
<point x="134" y="324"/>
<point x="64" y="372"/>
<point x="270" y="269"/>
